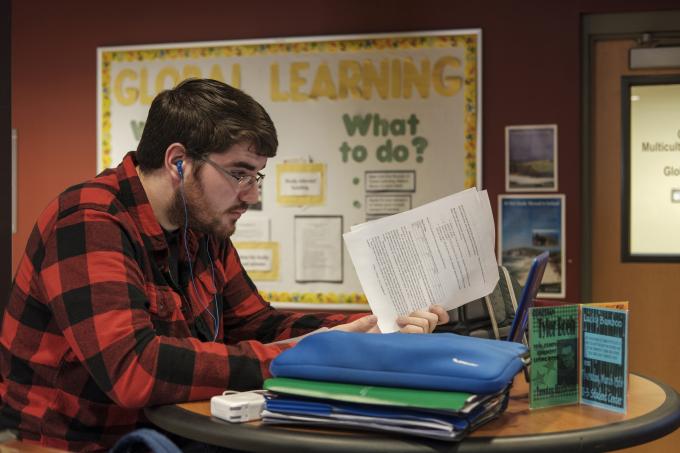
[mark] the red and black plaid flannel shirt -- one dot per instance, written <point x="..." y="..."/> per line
<point x="95" y="329"/>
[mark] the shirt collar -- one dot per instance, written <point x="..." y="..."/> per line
<point x="134" y="196"/>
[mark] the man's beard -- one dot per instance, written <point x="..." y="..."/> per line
<point x="200" y="217"/>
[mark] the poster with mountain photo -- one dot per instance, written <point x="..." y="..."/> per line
<point x="531" y="158"/>
<point x="527" y="226"/>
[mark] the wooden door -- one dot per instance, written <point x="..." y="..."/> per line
<point x="652" y="289"/>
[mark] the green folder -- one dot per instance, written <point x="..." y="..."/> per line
<point x="389" y="396"/>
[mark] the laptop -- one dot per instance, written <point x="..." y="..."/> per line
<point x="526" y="299"/>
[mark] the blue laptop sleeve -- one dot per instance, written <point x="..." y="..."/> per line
<point x="426" y="361"/>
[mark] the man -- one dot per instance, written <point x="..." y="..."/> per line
<point x="130" y="293"/>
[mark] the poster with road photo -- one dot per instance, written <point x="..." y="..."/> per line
<point x="531" y="158"/>
<point x="527" y="226"/>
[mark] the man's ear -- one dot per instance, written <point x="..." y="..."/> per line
<point x="175" y="162"/>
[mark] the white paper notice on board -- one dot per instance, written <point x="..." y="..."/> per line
<point x="301" y="184"/>
<point x="252" y="229"/>
<point x="439" y="253"/>
<point x="318" y="248"/>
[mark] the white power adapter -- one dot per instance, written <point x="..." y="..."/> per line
<point x="238" y="407"/>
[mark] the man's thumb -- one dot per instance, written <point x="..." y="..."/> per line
<point x="366" y="323"/>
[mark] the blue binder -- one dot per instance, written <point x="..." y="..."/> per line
<point x="420" y="361"/>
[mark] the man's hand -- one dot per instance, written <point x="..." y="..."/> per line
<point x="368" y="324"/>
<point x="422" y="321"/>
<point x="419" y="321"/>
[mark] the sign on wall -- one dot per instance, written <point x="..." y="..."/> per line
<point x="651" y="169"/>
<point x="529" y="225"/>
<point x="368" y="126"/>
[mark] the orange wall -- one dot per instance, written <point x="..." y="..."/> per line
<point x="531" y="73"/>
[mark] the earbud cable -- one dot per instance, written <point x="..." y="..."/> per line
<point x="216" y="316"/>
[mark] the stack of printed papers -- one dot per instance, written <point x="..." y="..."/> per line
<point x="438" y="253"/>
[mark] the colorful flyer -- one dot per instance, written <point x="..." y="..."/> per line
<point x="604" y="358"/>
<point x="553" y="344"/>
<point x="579" y="354"/>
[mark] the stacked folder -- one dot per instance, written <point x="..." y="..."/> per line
<point x="434" y="414"/>
<point x="436" y="386"/>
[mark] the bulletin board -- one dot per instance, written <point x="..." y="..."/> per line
<point x="368" y="126"/>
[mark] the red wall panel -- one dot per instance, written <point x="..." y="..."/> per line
<point x="531" y="73"/>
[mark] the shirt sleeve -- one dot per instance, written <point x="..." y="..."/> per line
<point x="248" y="316"/>
<point x="92" y="279"/>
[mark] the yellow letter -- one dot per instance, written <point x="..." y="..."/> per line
<point x="412" y="78"/>
<point x="371" y="78"/>
<point x="146" y="97"/>
<point x="438" y="78"/>
<point x="323" y="84"/>
<point x="216" y="73"/>
<point x="275" y="90"/>
<point x="167" y="71"/>
<point x="396" y="78"/>
<point x="349" y="82"/>
<point x="297" y="81"/>
<point x="128" y="96"/>
<point x="191" y="70"/>
<point x="236" y="75"/>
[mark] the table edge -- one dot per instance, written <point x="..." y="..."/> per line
<point x="627" y="433"/>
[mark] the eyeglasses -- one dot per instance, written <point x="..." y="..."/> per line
<point x="244" y="181"/>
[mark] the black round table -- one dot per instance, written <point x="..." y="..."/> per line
<point x="654" y="411"/>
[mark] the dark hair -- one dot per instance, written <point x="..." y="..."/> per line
<point x="205" y="116"/>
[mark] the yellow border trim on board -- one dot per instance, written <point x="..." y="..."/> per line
<point x="470" y="90"/>
<point x="314" y="298"/>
